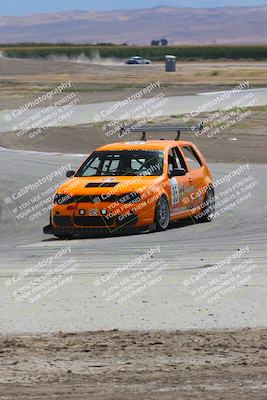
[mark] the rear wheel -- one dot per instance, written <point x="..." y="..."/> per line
<point x="208" y="212"/>
<point x="162" y="215"/>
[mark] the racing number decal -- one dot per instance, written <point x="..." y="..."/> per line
<point x="175" y="191"/>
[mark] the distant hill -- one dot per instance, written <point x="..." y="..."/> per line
<point x="233" y="25"/>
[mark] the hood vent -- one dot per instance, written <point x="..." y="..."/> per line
<point x="101" y="184"/>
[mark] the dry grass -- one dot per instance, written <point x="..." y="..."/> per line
<point x="32" y="76"/>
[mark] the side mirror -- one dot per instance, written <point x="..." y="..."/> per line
<point x="178" y="172"/>
<point x="69" y="174"/>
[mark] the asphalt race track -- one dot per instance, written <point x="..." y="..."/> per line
<point x="187" y="250"/>
<point x="12" y="120"/>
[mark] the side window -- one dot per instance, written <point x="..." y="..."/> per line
<point x="179" y="158"/>
<point x="172" y="159"/>
<point x="192" y="158"/>
<point x="176" y="159"/>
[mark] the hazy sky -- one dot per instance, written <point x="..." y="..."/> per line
<point x="24" y="7"/>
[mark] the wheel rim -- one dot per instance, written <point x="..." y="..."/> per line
<point x="163" y="213"/>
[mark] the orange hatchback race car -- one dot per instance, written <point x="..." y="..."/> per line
<point x="139" y="185"/>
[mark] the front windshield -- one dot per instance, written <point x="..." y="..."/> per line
<point x="119" y="163"/>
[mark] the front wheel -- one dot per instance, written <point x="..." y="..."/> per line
<point x="162" y="215"/>
<point x="208" y="212"/>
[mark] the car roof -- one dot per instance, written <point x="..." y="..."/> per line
<point x="144" y="145"/>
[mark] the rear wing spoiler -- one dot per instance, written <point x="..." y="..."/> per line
<point x="163" y="128"/>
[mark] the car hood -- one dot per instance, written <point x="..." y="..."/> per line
<point x="102" y="185"/>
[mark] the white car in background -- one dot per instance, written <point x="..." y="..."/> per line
<point x="138" y="60"/>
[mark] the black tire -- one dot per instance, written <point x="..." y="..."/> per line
<point x="162" y="214"/>
<point x="208" y="212"/>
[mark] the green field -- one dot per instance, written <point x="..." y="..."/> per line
<point x="208" y="52"/>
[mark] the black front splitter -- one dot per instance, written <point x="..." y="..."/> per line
<point x="69" y="231"/>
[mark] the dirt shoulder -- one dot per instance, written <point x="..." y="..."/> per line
<point x="135" y="365"/>
<point x="22" y="80"/>
<point x="246" y="142"/>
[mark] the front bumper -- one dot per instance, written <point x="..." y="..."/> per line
<point x="81" y="218"/>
